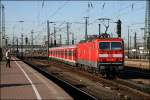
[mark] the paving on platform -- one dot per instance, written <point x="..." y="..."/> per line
<point x="24" y="83"/>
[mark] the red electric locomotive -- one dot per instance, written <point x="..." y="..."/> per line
<point x="102" y="53"/>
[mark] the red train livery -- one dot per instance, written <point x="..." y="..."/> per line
<point x="65" y="53"/>
<point x="103" y="54"/>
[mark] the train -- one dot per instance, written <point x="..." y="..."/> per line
<point x="102" y="54"/>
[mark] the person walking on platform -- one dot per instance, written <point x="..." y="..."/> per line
<point x="8" y="57"/>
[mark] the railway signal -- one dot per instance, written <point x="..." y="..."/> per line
<point x="119" y="28"/>
<point x="26" y="40"/>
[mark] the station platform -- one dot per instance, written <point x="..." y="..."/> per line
<point x="140" y="64"/>
<point x="22" y="82"/>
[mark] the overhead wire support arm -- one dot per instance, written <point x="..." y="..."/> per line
<point x="103" y="20"/>
<point x="48" y="34"/>
<point x="68" y="33"/>
<point x="54" y="35"/>
<point x="86" y="24"/>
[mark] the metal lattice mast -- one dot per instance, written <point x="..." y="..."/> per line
<point x="86" y="25"/>
<point x="147" y="23"/>
<point x="67" y="33"/>
<point x="3" y="26"/>
<point x="48" y="35"/>
<point x="0" y="24"/>
<point x="32" y="45"/>
<point x="148" y="28"/>
<point x="148" y="17"/>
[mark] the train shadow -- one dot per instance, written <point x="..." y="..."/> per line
<point x="14" y="85"/>
<point x="11" y="60"/>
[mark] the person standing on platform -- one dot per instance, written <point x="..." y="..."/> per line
<point x="1" y="54"/>
<point x="8" y="57"/>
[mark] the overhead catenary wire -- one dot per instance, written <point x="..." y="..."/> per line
<point x="58" y="9"/>
<point x="95" y="21"/>
<point x="126" y="13"/>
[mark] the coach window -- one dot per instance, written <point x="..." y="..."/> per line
<point x="74" y="53"/>
<point x="70" y="53"/>
<point x="65" y="52"/>
<point x="61" y="52"/>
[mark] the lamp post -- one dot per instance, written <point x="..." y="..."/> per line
<point x="21" y="21"/>
<point x="48" y="36"/>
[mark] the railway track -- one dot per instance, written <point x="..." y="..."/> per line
<point x="75" y="92"/>
<point x="141" y="88"/>
<point x="117" y="85"/>
<point x="138" y="71"/>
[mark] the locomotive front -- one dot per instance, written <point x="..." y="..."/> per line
<point x="111" y="55"/>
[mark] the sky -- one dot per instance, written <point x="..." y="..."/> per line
<point x="35" y="16"/>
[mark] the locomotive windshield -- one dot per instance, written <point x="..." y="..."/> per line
<point x="110" y="45"/>
<point x="104" y="45"/>
<point x="116" y="45"/>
